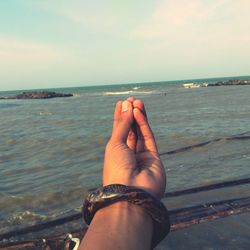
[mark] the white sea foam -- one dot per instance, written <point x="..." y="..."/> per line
<point x="26" y="216"/>
<point x="128" y="92"/>
<point x="135" y="88"/>
<point x="118" y="93"/>
<point x="78" y="94"/>
<point x="46" y="113"/>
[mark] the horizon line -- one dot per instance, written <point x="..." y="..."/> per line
<point x="127" y="83"/>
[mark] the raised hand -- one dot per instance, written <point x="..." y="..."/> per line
<point x="131" y="156"/>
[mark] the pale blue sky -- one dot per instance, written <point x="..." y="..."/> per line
<point x="61" y="43"/>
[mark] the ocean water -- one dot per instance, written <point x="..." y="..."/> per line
<point x="51" y="153"/>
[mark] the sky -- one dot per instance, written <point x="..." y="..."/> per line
<point x="61" y="43"/>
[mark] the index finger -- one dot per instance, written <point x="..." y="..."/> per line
<point x="145" y="131"/>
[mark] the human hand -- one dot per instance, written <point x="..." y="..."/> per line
<point x="131" y="156"/>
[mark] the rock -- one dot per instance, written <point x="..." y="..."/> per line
<point x="230" y="83"/>
<point x="37" y="95"/>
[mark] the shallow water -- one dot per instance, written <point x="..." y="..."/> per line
<point x="51" y="151"/>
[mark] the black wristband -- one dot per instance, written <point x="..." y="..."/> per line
<point x="110" y="194"/>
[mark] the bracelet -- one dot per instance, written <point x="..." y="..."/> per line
<point x="107" y="195"/>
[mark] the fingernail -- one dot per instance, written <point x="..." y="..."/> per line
<point x="125" y="106"/>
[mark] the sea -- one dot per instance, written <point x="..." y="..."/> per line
<point x="51" y="154"/>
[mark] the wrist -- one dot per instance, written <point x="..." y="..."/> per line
<point x="134" y="207"/>
<point x="127" y="223"/>
<point x="124" y="209"/>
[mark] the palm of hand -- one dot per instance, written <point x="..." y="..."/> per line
<point x="143" y="170"/>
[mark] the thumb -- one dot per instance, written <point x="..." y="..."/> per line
<point x="124" y="124"/>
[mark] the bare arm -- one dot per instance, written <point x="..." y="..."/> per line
<point x="132" y="161"/>
<point x="120" y="226"/>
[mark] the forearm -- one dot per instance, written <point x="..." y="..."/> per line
<point x="119" y="226"/>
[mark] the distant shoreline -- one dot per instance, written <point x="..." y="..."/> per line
<point x="37" y="95"/>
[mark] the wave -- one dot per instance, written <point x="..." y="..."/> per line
<point x="8" y="105"/>
<point x="33" y="209"/>
<point x="45" y="113"/>
<point x="78" y="94"/>
<point x="43" y="201"/>
<point x="26" y="216"/>
<point x="135" y="88"/>
<point x="128" y="92"/>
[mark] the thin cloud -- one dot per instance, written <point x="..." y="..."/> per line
<point x="24" y="52"/>
<point x="177" y="18"/>
<point x="93" y="16"/>
<point x="24" y="62"/>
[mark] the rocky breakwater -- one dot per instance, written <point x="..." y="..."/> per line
<point x="37" y="95"/>
<point x="230" y="83"/>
